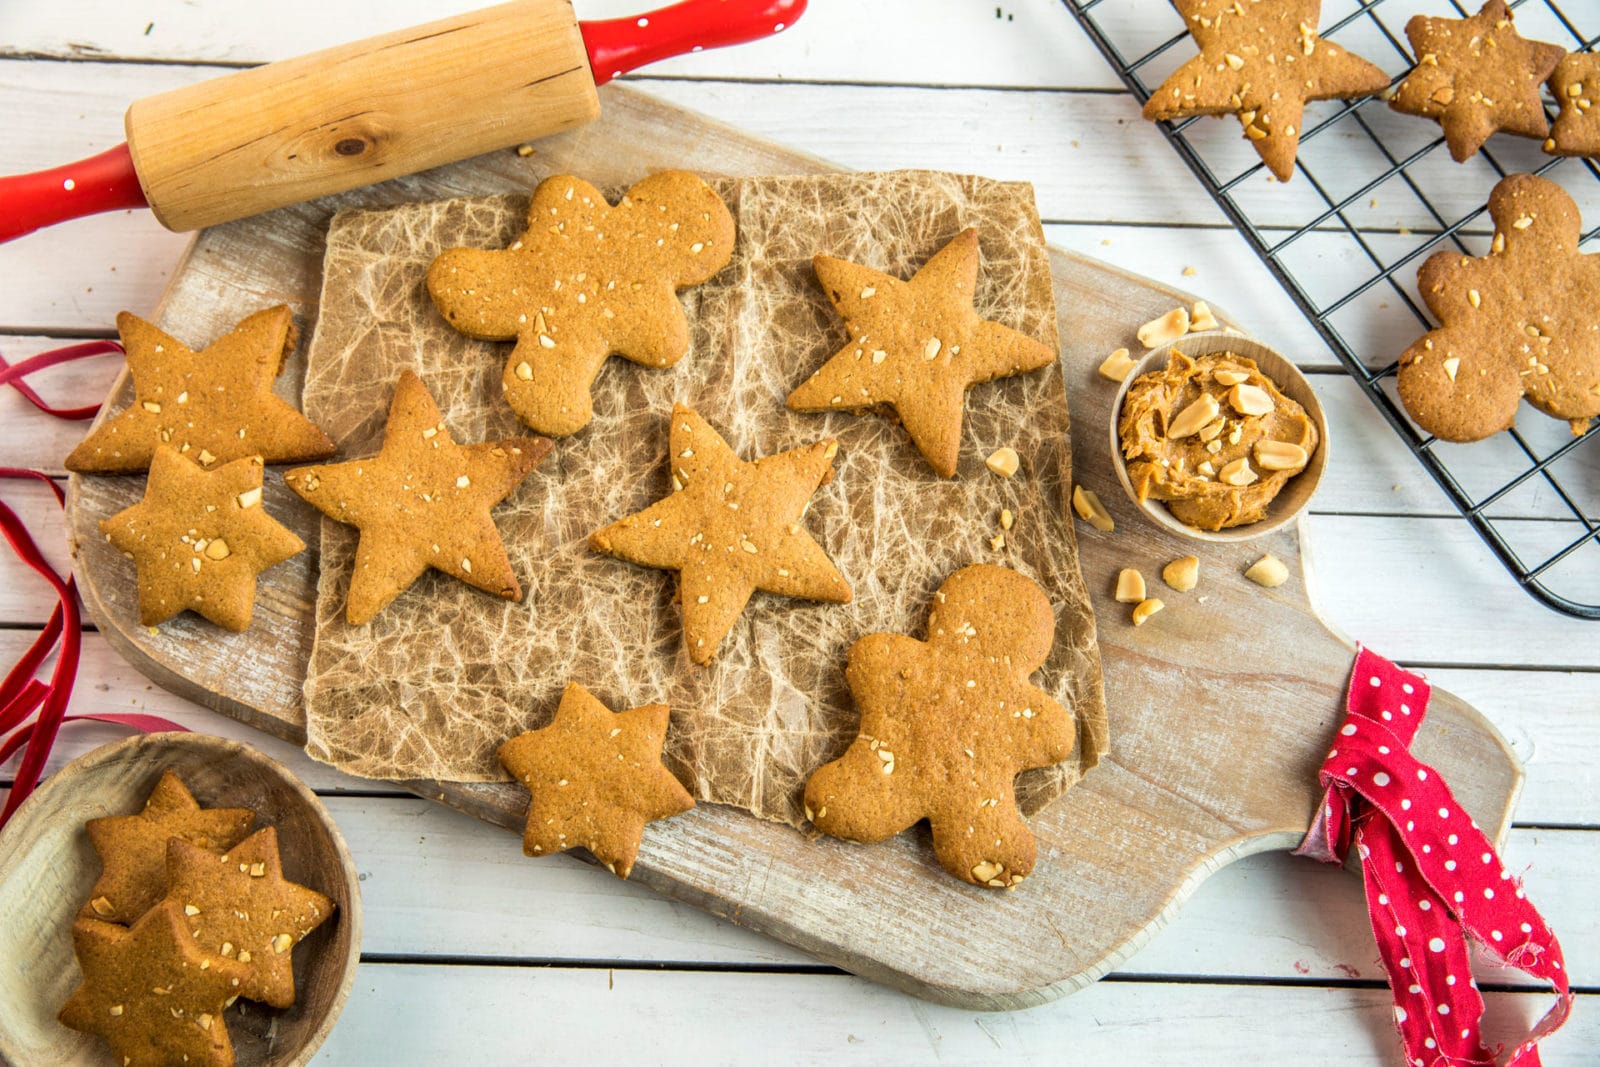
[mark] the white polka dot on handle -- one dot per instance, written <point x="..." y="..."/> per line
<point x="1465" y="1034"/>
<point x="1349" y="729"/>
<point x="1425" y="905"/>
<point x="1383" y="898"/>
<point x="1436" y="945"/>
<point x="1449" y="979"/>
<point x="1399" y="931"/>
<point x="1406" y="687"/>
<point x="1399" y="868"/>
<point x="1488" y="894"/>
<point x="1487" y="857"/>
<point x="1405" y="962"/>
<point x="1527" y="929"/>
<point x="1431" y="1043"/>
<point x="69" y="185"/>
<point x="1444" y="813"/>
<point x="1497" y="935"/>
<point x="1399" y="1014"/>
<point x="1350" y="772"/>
<point x="1383" y="750"/>
<point x="1422" y="775"/>
<point x="1387" y="717"/>
<point x="1459" y="897"/>
<point x="1449" y="865"/>
<point x="1444" y="1009"/>
<point x="1380" y="779"/>
<point x="1414" y="989"/>
<point x="1374" y="682"/>
<point x="1405" y="805"/>
<point x="1410" y="826"/>
<point x="1405" y="709"/>
<point x="1452" y="839"/>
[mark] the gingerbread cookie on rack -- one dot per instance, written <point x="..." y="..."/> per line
<point x="729" y="528"/>
<point x="596" y="779"/>
<point x="1522" y="321"/>
<point x="1576" y="87"/>
<point x="154" y="995"/>
<point x="915" y="346"/>
<point x="946" y="726"/>
<point x="423" y="501"/>
<point x="240" y="906"/>
<point x="133" y="848"/>
<point x="584" y="282"/>
<point x="1476" y="76"/>
<point x="1262" y="62"/>
<point x="199" y="538"/>
<point x="214" y="406"/>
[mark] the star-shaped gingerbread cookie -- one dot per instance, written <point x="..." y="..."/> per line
<point x="151" y="992"/>
<point x="915" y="346"/>
<point x="1521" y="321"/>
<point x="240" y="906"/>
<point x="199" y="538"/>
<point x="1475" y="76"/>
<point x="946" y="726"/>
<point x="728" y="529"/>
<point x="423" y="501"/>
<point x="214" y="406"/>
<point x="133" y="848"/>
<point x="1262" y="61"/>
<point x="585" y="281"/>
<point x="596" y="779"/>
<point x="1576" y="87"/>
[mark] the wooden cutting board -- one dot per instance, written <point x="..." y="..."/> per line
<point x="1221" y="707"/>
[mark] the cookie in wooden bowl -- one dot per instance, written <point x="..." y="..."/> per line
<point x="48" y="866"/>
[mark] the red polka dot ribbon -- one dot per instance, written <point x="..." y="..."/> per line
<point x="1432" y="877"/>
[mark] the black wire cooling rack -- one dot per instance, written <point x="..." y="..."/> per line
<point x="1374" y="193"/>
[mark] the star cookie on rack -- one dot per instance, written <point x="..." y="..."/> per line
<point x="214" y="406"/>
<point x="596" y="779"/>
<point x="587" y="280"/>
<point x="1520" y="321"/>
<point x="423" y="501"/>
<point x="239" y="905"/>
<point x="946" y="726"/>
<point x="1576" y="87"/>
<point x="915" y="346"/>
<point x="1475" y="76"/>
<point x="729" y="528"/>
<point x="133" y="848"/>
<point x="1262" y="61"/>
<point x="151" y="992"/>
<point x="199" y="538"/>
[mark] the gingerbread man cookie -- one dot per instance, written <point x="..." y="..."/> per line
<point x="214" y="406"/>
<point x="1261" y="61"/>
<point x="596" y="779"/>
<point x="1522" y="321"/>
<point x="587" y="280"/>
<point x="946" y="726"/>
<point x="1476" y="76"/>
<point x="916" y="346"/>
<point x="1576" y="87"/>
<point x="728" y="529"/>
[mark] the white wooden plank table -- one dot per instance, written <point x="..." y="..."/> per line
<point x="472" y="949"/>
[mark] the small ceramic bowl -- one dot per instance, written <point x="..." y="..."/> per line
<point x="1296" y="493"/>
<point x="47" y="867"/>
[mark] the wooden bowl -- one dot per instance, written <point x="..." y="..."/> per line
<point x="1296" y="493"/>
<point x="47" y="867"/>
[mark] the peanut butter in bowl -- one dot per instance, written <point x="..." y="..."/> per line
<point x="1213" y="438"/>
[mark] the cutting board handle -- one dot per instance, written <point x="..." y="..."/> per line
<point x="617" y="46"/>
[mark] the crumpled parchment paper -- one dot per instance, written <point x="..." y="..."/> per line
<point x="445" y="674"/>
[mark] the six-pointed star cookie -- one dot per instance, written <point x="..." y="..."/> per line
<point x="1475" y="76"/>
<point x="728" y="529"/>
<point x="596" y="779"/>
<point x="133" y="848"/>
<point x="199" y="538"/>
<point x="1520" y="321"/>
<point x="214" y="406"/>
<point x="151" y="992"/>
<point x="586" y="280"/>
<point x="1262" y="61"/>
<point x="239" y="905"/>
<point x="916" y="347"/>
<point x="423" y="501"/>
<point x="946" y="726"/>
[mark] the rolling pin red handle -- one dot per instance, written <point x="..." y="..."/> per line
<point x="617" y="46"/>
<point x="105" y="182"/>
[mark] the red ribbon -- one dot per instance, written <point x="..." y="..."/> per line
<point x="1432" y="877"/>
<point x="21" y="693"/>
<point x="13" y="375"/>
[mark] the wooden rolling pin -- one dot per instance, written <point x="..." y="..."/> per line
<point x="380" y="108"/>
